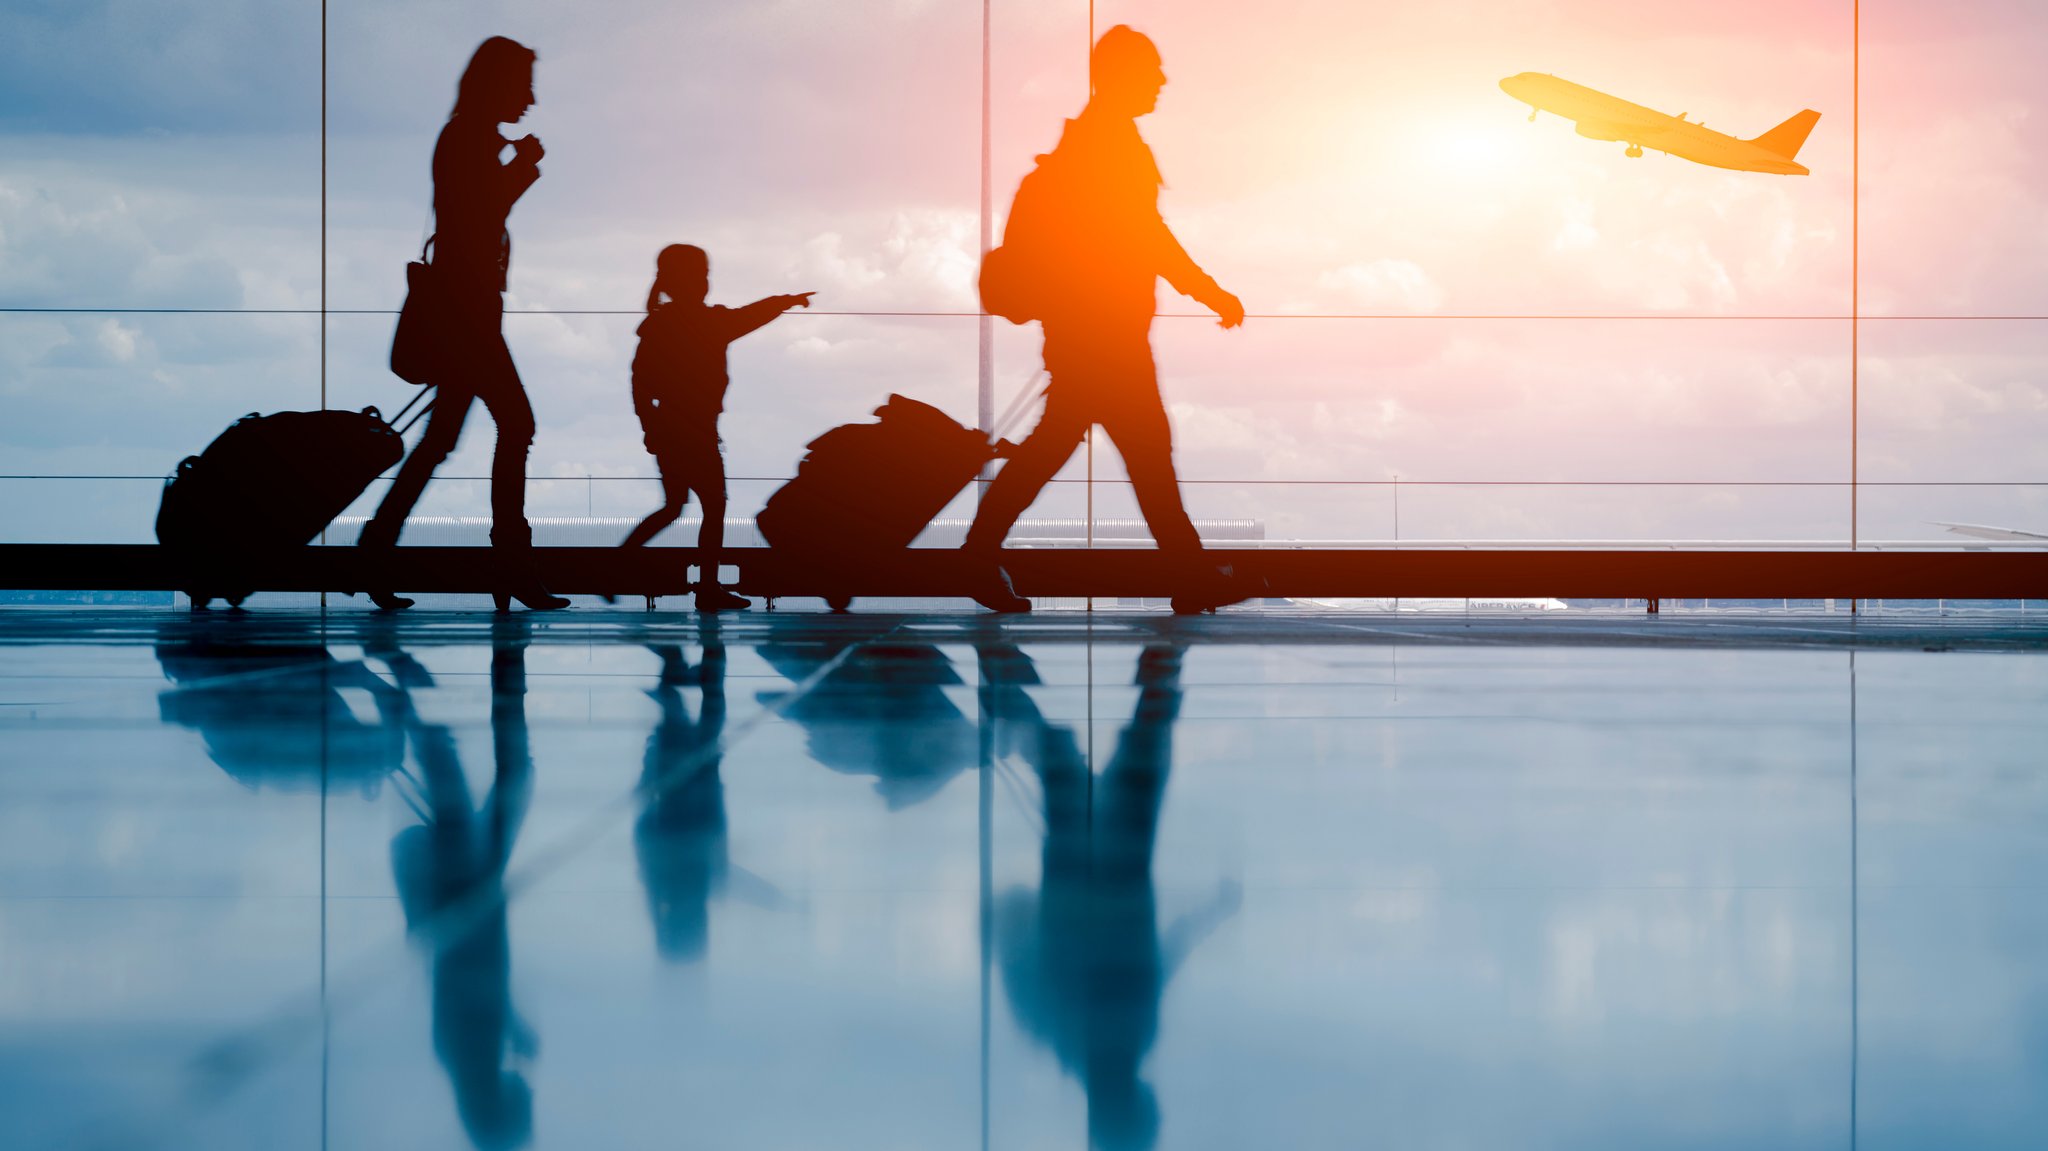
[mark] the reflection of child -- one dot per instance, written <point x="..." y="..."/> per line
<point x="679" y="382"/>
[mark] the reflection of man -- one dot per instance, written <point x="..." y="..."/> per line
<point x="1084" y="963"/>
<point x="450" y="873"/>
<point x="1112" y="248"/>
<point x="680" y="838"/>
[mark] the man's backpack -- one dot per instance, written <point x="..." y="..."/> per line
<point x="1021" y="276"/>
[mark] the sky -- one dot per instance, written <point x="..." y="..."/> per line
<point x="1320" y="157"/>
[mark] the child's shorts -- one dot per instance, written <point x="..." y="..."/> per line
<point x="692" y="461"/>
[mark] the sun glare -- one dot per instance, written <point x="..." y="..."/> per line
<point x="1469" y="149"/>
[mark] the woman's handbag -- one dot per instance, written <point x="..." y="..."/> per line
<point x="416" y="345"/>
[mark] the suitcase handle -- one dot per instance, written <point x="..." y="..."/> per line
<point x="1016" y="410"/>
<point x="422" y="394"/>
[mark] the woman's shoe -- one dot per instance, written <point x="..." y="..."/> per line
<point x="534" y="598"/>
<point x="711" y="597"/>
<point x="518" y="579"/>
<point x="379" y="549"/>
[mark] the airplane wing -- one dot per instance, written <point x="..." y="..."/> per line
<point x="1632" y="130"/>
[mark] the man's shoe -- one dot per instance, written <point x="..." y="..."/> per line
<point x="714" y="598"/>
<point x="389" y="601"/>
<point x="1209" y="589"/>
<point x="997" y="594"/>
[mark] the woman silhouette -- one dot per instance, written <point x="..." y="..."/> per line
<point x="473" y="195"/>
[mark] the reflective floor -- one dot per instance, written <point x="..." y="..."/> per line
<point x="611" y="880"/>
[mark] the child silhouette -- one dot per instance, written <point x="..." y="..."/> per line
<point x="679" y="382"/>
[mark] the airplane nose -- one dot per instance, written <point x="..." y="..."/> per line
<point x="1513" y="85"/>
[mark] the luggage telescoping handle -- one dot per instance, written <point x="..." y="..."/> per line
<point x="416" y="416"/>
<point x="1019" y="406"/>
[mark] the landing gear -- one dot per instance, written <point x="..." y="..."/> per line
<point x="1532" y="115"/>
<point x="1635" y="152"/>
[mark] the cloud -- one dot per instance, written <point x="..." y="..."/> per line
<point x="87" y="243"/>
<point x="1391" y="284"/>
<point x="122" y="67"/>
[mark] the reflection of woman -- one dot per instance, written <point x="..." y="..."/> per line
<point x="473" y="196"/>
<point x="450" y="873"/>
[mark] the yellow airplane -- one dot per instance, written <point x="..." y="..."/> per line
<point x="1604" y="117"/>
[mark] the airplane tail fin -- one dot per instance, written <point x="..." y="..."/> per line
<point x="1786" y="139"/>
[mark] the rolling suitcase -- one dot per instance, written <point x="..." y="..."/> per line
<point x="272" y="482"/>
<point x="868" y="488"/>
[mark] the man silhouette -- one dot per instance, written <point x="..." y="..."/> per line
<point x="1096" y="307"/>
<point x="1084" y="959"/>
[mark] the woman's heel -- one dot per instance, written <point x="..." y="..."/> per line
<point x="518" y="579"/>
<point x="532" y="597"/>
<point x="377" y="547"/>
<point x="712" y="597"/>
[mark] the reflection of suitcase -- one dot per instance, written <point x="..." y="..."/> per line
<point x="863" y="488"/>
<point x="270" y="483"/>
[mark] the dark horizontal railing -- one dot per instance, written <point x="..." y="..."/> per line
<point x="1071" y="572"/>
<point x="1383" y="483"/>
<point x="962" y="314"/>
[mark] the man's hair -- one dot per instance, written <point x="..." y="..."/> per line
<point x="497" y="62"/>
<point x="1121" y="49"/>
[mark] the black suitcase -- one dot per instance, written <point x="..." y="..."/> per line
<point x="270" y="483"/>
<point x="867" y="488"/>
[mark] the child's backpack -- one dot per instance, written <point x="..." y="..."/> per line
<point x="1022" y="275"/>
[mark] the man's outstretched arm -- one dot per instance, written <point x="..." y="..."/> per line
<point x="1188" y="278"/>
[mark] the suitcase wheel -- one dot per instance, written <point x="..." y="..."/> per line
<point x="839" y="603"/>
